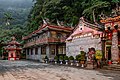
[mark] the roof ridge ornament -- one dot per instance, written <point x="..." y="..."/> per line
<point x="44" y="21"/>
<point x="82" y="18"/>
<point x="13" y="38"/>
<point x="58" y="23"/>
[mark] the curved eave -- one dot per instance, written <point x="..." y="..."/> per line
<point x="109" y="20"/>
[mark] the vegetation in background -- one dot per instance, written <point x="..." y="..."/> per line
<point x="13" y="18"/>
<point x="68" y="12"/>
<point x="18" y="20"/>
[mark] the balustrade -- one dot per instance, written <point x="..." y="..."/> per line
<point x="44" y="41"/>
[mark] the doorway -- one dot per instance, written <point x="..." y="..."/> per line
<point x="109" y="53"/>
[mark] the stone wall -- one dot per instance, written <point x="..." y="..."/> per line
<point x="73" y="47"/>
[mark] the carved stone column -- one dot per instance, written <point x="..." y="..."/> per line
<point x="114" y="47"/>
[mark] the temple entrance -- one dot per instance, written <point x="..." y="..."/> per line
<point x="108" y="53"/>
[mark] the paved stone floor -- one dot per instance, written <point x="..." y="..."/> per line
<point x="29" y="70"/>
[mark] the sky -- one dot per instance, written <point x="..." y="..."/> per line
<point x="15" y="3"/>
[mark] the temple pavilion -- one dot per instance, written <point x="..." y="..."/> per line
<point x="48" y="40"/>
<point x="13" y="49"/>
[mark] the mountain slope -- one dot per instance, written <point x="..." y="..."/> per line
<point x="19" y="10"/>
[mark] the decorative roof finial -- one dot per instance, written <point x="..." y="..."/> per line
<point x="13" y="38"/>
<point x="44" y="21"/>
<point x="82" y="18"/>
<point x="58" y="23"/>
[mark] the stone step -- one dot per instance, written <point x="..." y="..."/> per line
<point x="112" y="67"/>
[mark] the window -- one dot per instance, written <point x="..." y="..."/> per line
<point x="38" y="37"/>
<point x="27" y="51"/>
<point x="36" y="51"/>
<point x="43" y="50"/>
<point x="59" y="35"/>
<point x="31" y="51"/>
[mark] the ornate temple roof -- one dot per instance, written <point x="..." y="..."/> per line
<point x="110" y="20"/>
<point x="14" y="41"/>
<point x="84" y="27"/>
<point x="46" y="27"/>
<point x="13" y="45"/>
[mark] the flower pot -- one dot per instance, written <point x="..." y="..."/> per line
<point x="66" y="62"/>
<point x="46" y="61"/>
<point x="109" y="62"/>
<point x="82" y="63"/>
<point x="61" y="61"/>
<point x="71" y="62"/>
<point x="55" y="61"/>
<point x="77" y="63"/>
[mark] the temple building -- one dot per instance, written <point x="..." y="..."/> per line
<point x="112" y="38"/>
<point x="83" y="37"/>
<point x="48" y="40"/>
<point x="13" y="49"/>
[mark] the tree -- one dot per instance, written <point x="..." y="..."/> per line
<point x="7" y="18"/>
<point x="93" y="7"/>
<point x="66" y="11"/>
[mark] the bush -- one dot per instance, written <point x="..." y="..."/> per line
<point x="71" y="58"/>
<point x="61" y="58"/>
<point x="78" y="57"/>
<point x="56" y="58"/>
<point x="82" y="56"/>
<point x="66" y="58"/>
<point x="98" y="54"/>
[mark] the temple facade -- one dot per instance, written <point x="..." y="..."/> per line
<point x="48" y="40"/>
<point x="112" y="38"/>
<point x="83" y="37"/>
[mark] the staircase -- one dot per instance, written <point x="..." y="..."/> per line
<point x="112" y="67"/>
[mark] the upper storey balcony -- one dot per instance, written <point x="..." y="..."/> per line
<point x="44" y="41"/>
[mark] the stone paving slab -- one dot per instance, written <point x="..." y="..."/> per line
<point x="28" y="70"/>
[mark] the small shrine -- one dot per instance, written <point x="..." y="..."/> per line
<point x="13" y="49"/>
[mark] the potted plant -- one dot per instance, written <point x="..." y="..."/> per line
<point x="98" y="57"/>
<point x="66" y="59"/>
<point x="46" y="59"/>
<point x="56" y="59"/>
<point x="82" y="58"/>
<point x="77" y="59"/>
<point x="71" y="58"/>
<point x="61" y="59"/>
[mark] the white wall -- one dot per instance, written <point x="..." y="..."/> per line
<point x="73" y="47"/>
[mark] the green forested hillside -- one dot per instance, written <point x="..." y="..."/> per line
<point x="69" y="11"/>
<point x="14" y="12"/>
<point x="18" y="19"/>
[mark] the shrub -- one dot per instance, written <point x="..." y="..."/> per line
<point x="98" y="54"/>
<point x="71" y="58"/>
<point x="82" y="56"/>
<point x="78" y="57"/>
<point x="56" y="58"/>
<point x="61" y="58"/>
<point x="66" y="58"/>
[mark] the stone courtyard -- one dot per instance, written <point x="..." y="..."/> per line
<point x="29" y="70"/>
